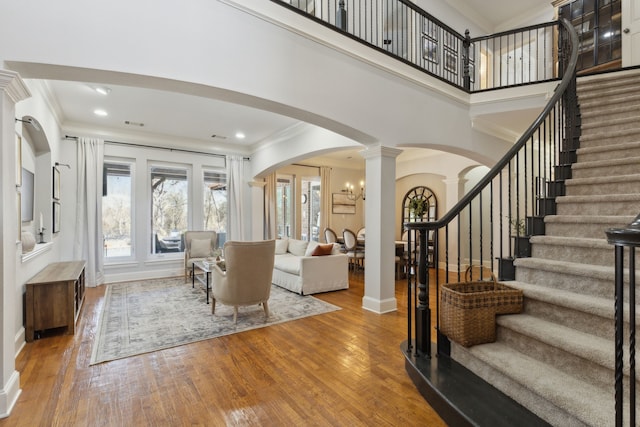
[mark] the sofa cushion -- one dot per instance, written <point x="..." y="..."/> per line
<point x="337" y="249"/>
<point x="200" y="248"/>
<point x="288" y="263"/>
<point x="321" y="250"/>
<point x="311" y="246"/>
<point x="281" y="246"/>
<point x="297" y="247"/>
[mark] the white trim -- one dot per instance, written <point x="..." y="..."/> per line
<point x="379" y="306"/>
<point x="9" y="394"/>
<point x="20" y="341"/>
<point x="40" y="248"/>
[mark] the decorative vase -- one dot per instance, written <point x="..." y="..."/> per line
<point x="28" y="241"/>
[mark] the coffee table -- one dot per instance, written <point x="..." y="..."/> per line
<point x="205" y="277"/>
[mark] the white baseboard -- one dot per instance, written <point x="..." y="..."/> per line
<point x="20" y="341"/>
<point x="379" y="306"/>
<point x="9" y="394"/>
<point x="143" y="275"/>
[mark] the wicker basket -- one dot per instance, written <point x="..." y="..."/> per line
<point x="468" y="309"/>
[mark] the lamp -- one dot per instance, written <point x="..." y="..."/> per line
<point x="349" y="190"/>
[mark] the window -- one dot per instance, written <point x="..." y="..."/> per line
<point x="215" y="203"/>
<point x="169" y="208"/>
<point x="310" y="208"/>
<point x="116" y="209"/>
<point x="284" y="206"/>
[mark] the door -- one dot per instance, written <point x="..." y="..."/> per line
<point x="631" y="33"/>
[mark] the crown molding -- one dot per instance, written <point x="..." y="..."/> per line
<point x="13" y="85"/>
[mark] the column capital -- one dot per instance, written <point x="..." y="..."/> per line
<point x="12" y="83"/>
<point x="375" y="151"/>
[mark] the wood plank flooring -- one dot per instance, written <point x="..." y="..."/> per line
<point x="337" y="369"/>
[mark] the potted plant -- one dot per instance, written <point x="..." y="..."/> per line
<point x="521" y="243"/>
<point x="418" y="207"/>
<point x="506" y="269"/>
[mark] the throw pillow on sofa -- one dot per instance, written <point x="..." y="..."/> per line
<point x="200" y="248"/>
<point x="311" y="246"/>
<point x="322" y="250"/>
<point x="281" y="246"/>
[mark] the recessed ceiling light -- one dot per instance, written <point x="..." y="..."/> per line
<point x="102" y="90"/>
<point x="100" y="113"/>
<point x="240" y="135"/>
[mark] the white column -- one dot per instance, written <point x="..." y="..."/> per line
<point x="12" y="90"/>
<point x="380" y="216"/>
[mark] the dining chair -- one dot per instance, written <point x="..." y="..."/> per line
<point x="352" y="249"/>
<point x="330" y="235"/>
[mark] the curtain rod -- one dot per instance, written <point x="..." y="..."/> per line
<point x="130" y="144"/>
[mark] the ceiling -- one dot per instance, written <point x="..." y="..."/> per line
<point x="191" y="120"/>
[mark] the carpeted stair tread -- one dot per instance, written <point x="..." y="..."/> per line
<point x="608" y="122"/>
<point x="591" y="404"/>
<point x="598" y="306"/>
<point x="608" y="148"/>
<point x="595" y="349"/>
<point x="586" y="85"/>
<point x="591" y="271"/>
<point x="600" y="198"/>
<point x="606" y="163"/>
<point x="598" y="180"/>
<point x="612" y="97"/>
<point x="598" y="136"/>
<point x="612" y="220"/>
<point x="611" y="110"/>
<point x="572" y="241"/>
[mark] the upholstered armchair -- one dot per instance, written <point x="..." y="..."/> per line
<point x="199" y="245"/>
<point x="247" y="276"/>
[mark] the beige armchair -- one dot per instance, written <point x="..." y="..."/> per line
<point x="197" y="248"/>
<point x="247" y="279"/>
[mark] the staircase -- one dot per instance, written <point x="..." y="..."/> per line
<point x="557" y="357"/>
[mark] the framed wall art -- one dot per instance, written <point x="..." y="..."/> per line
<point x="56" y="183"/>
<point x="430" y="49"/>
<point x="343" y="204"/>
<point x="56" y="217"/>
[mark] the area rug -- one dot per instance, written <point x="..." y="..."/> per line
<point x="145" y="316"/>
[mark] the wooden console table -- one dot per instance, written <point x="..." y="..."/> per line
<point x="54" y="298"/>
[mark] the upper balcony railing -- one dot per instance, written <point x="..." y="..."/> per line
<point x="403" y="30"/>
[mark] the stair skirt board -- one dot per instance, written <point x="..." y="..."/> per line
<point x="461" y="398"/>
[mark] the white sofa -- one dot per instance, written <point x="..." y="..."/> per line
<point x="296" y="269"/>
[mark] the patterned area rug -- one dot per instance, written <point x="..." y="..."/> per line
<point x="145" y="316"/>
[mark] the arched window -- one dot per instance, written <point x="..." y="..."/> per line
<point x="420" y="205"/>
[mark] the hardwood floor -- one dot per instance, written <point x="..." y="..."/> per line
<point x="340" y="368"/>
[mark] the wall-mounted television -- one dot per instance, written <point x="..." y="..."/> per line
<point x="27" y="195"/>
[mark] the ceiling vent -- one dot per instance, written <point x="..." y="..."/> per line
<point x="130" y="123"/>
<point x="218" y="136"/>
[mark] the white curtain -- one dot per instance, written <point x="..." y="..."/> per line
<point x="235" y="174"/>
<point x="88" y="239"/>
<point x="325" y="199"/>
<point x="270" y="207"/>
